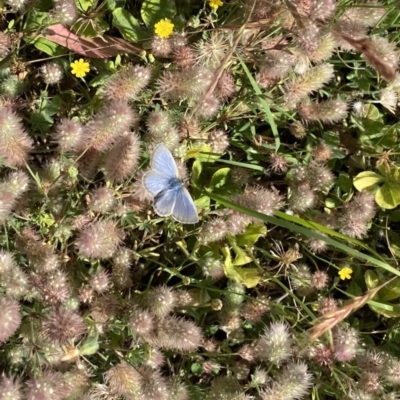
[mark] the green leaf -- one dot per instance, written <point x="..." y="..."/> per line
<point x="250" y="236"/>
<point x="128" y="25"/>
<point x="219" y="178"/>
<point x="245" y="276"/>
<point x="385" y="309"/>
<point x="90" y="28"/>
<point x="196" y="171"/>
<point x="153" y="11"/>
<point x="203" y="202"/>
<point x="367" y="180"/>
<point x="394" y="243"/>
<point x="48" y="47"/>
<point x="388" y="196"/>
<point x="391" y="291"/>
<point x="90" y="345"/>
<point x="264" y="105"/>
<point x="312" y="229"/>
<point x="371" y="279"/>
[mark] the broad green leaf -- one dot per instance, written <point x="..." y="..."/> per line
<point x="153" y="11"/>
<point x="196" y="170"/>
<point x="252" y="233"/>
<point x="90" y="28"/>
<point x="203" y="202"/>
<point x="371" y="279"/>
<point x="219" y="178"/>
<point x="203" y="153"/>
<point x="388" y="196"/>
<point x="385" y="309"/>
<point x="48" y="47"/>
<point x="128" y="25"/>
<point x="245" y="276"/>
<point x="367" y="180"/>
<point x="90" y="345"/>
<point x="391" y="291"/>
<point x="84" y="5"/>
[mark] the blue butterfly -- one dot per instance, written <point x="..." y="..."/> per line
<point x="170" y="196"/>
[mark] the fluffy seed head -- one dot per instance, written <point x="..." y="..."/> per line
<point x="211" y="52"/>
<point x="178" y="334"/>
<point x="157" y="123"/>
<point x="225" y="88"/>
<point x="14" y="143"/>
<point x="100" y="281"/>
<point x="352" y="226"/>
<point x="372" y="361"/>
<point x="49" y="386"/>
<point x="10" y="318"/>
<point x="10" y="388"/>
<point x="161" y="47"/>
<point x="362" y="206"/>
<point x="302" y="198"/>
<point x="293" y="383"/>
<point x="127" y="84"/>
<point x="11" y="87"/>
<point x="123" y="380"/>
<point x="327" y="305"/>
<point x="141" y="322"/>
<point x="17" y="5"/>
<point x="367" y="13"/>
<point x="278" y="163"/>
<point x="122" y="160"/>
<point x="319" y="280"/>
<point x="209" y="107"/>
<point x="389" y="99"/>
<point x="301" y="279"/>
<point x="321" y="152"/>
<point x="219" y="141"/>
<point x="63" y="326"/>
<point x="102" y="200"/>
<point x="68" y="134"/>
<point x="99" y="240"/>
<point x="212" y="268"/>
<point x="51" y="73"/>
<point x="213" y="230"/>
<point x="275" y="345"/>
<point x="160" y="300"/>
<point x="64" y="12"/>
<point x="314" y="79"/>
<point x="298" y="130"/>
<point x="5" y="43"/>
<point x="392" y="372"/>
<point x="184" y="57"/>
<point x="328" y="111"/>
<point x="319" y="176"/>
<point x="109" y="124"/>
<point x="346" y="343"/>
<point x="254" y="309"/>
<point x="354" y="29"/>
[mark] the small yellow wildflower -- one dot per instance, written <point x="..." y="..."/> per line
<point x="80" y="68"/>
<point x="214" y="4"/>
<point x="164" y="28"/>
<point x="345" y="273"/>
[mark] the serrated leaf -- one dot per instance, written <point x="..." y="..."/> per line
<point x="252" y="233"/>
<point x="367" y="180"/>
<point x="128" y="25"/>
<point x="219" y="178"/>
<point x="153" y="11"/>
<point x="388" y="196"/>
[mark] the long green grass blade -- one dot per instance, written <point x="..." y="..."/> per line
<point x="264" y="105"/>
<point x="308" y="232"/>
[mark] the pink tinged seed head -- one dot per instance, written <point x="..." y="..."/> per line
<point x="99" y="240"/>
<point x="15" y="144"/>
<point x="109" y="124"/>
<point x="69" y="135"/>
<point x="10" y="318"/>
<point x="346" y="343"/>
<point x="63" y="326"/>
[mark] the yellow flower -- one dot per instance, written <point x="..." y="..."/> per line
<point x="80" y="68"/>
<point x="214" y="4"/>
<point x="345" y="273"/>
<point x="164" y="28"/>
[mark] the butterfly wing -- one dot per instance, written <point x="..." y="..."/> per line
<point x="155" y="182"/>
<point x="184" y="209"/>
<point x="163" y="162"/>
<point x="165" y="202"/>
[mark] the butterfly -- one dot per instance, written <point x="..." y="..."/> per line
<point x="170" y="196"/>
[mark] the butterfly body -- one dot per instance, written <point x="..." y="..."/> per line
<point x="170" y="196"/>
